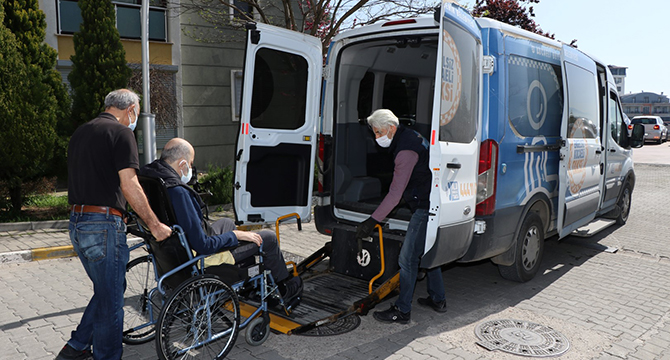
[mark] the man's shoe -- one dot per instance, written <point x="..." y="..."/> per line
<point x="437" y="306"/>
<point x="392" y="315"/>
<point x="69" y="353"/>
<point x="293" y="289"/>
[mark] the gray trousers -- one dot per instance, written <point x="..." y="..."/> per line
<point x="272" y="256"/>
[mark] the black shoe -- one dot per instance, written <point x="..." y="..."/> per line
<point x="393" y="314"/>
<point x="437" y="306"/>
<point x="292" y="289"/>
<point x="69" y="353"/>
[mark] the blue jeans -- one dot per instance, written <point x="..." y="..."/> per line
<point x="100" y="242"/>
<point x="409" y="259"/>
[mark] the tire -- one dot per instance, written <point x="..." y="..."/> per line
<point x="529" y="250"/>
<point x="257" y="331"/>
<point x="623" y="204"/>
<point x="138" y="322"/>
<point x="184" y="320"/>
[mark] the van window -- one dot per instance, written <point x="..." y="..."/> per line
<point x="459" y="86"/>
<point x="535" y="100"/>
<point x="583" y="103"/>
<point x="280" y="90"/>
<point x="400" y="94"/>
<point x="618" y="127"/>
<point x="365" y="92"/>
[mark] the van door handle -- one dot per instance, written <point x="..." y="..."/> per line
<point x="598" y="152"/>
<point x="453" y="166"/>
<point x="613" y="150"/>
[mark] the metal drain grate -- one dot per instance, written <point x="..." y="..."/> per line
<point x="340" y="326"/>
<point x="521" y="338"/>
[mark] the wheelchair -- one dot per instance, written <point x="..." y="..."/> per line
<point x="192" y="311"/>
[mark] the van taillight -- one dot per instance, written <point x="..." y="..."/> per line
<point x="319" y="161"/>
<point x="630" y="127"/>
<point x="486" y="181"/>
<point x="656" y="127"/>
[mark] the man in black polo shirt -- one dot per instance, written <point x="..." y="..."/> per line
<point x="102" y="165"/>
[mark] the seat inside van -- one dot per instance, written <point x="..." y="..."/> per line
<point x="395" y="73"/>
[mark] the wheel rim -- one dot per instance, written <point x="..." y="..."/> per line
<point x="531" y="248"/>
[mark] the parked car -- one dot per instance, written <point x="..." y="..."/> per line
<point x="654" y="128"/>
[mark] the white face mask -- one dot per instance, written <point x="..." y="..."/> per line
<point x="384" y="141"/>
<point x="186" y="178"/>
<point x="132" y="125"/>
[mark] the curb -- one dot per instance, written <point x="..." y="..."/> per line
<point x="47" y="253"/>
<point x="35" y="225"/>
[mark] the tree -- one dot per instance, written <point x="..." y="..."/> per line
<point x="99" y="63"/>
<point x="30" y="103"/>
<point x="510" y="12"/>
<point x="322" y="18"/>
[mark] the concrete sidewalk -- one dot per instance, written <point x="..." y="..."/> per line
<point x="31" y="241"/>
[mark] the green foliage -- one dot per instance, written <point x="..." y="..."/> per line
<point x="99" y="64"/>
<point x="28" y="105"/>
<point x="219" y="181"/>
<point x="46" y="200"/>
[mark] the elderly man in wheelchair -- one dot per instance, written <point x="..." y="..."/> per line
<point x="201" y="270"/>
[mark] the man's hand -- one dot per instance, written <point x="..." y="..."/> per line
<point x="365" y="228"/>
<point x="248" y="236"/>
<point x="161" y="232"/>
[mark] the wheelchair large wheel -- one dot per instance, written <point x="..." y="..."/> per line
<point x="200" y="320"/>
<point x="138" y="307"/>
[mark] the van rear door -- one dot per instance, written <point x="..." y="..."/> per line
<point x="454" y="142"/>
<point x="580" y="173"/>
<point x="276" y="144"/>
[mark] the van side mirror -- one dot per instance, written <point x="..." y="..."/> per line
<point x="637" y="136"/>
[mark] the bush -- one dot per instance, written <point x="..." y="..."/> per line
<point x="218" y="181"/>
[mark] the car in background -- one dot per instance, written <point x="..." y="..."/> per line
<point x="654" y="128"/>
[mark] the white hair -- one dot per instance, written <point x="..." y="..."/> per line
<point x="382" y="119"/>
<point x="121" y="99"/>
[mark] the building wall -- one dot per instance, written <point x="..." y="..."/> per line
<point x="646" y="103"/>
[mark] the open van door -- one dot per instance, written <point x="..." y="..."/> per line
<point x="454" y="142"/>
<point x="276" y="144"/>
<point x="580" y="173"/>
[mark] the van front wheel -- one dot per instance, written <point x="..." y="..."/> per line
<point x="529" y="249"/>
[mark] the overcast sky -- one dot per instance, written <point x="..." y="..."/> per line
<point x="633" y="34"/>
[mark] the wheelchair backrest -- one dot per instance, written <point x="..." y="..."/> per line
<point x="168" y="253"/>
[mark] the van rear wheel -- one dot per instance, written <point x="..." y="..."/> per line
<point x="529" y="249"/>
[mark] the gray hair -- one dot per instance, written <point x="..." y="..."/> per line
<point x="121" y="99"/>
<point x="175" y="151"/>
<point x="382" y="119"/>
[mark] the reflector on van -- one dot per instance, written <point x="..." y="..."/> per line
<point x="399" y="22"/>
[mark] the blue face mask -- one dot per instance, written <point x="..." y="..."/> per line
<point x="132" y="125"/>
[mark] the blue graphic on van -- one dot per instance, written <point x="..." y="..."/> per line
<point x="453" y="191"/>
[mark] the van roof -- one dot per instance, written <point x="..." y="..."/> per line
<point x="389" y="26"/>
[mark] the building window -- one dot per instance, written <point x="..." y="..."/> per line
<point x="128" y="20"/>
<point x="236" y="77"/>
<point x="242" y="10"/>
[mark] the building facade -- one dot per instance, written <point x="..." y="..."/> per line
<point x="619" y="74"/>
<point x="206" y="75"/>
<point x="646" y="103"/>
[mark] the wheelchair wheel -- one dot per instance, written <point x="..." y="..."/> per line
<point x="200" y="320"/>
<point x="137" y="308"/>
<point x="257" y="331"/>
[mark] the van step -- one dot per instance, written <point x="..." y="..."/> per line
<point x="593" y="227"/>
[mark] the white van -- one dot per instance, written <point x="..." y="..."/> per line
<point x="527" y="138"/>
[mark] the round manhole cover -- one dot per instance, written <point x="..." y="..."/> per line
<point x="521" y="338"/>
<point x="337" y="327"/>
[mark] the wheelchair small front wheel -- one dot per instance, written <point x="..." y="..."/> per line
<point x="138" y="322"/>
<point x="199" y="321"/>
<point x="257" y="331"/>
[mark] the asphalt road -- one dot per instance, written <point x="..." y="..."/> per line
<point x="608" y="294"/>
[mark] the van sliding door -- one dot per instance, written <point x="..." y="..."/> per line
<point x="580" y="185"/>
